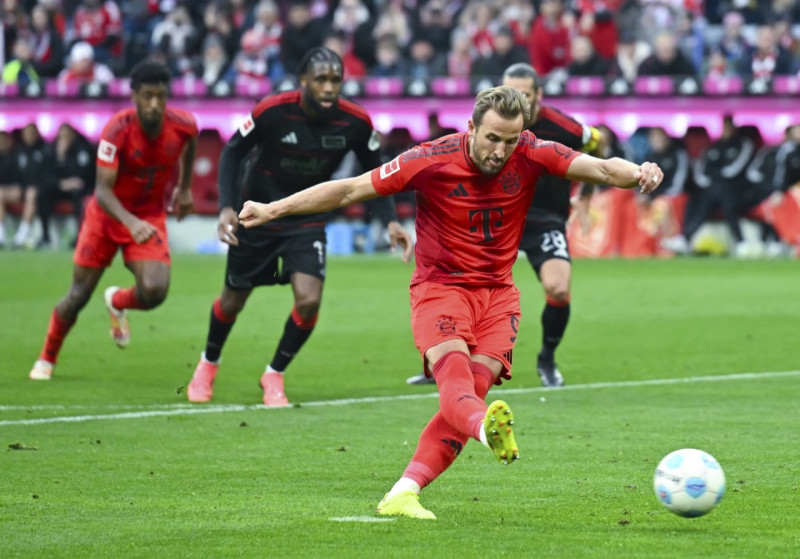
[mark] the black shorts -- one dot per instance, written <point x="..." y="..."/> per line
<point x="545" y="241"/>
<point x="265" y="257"/>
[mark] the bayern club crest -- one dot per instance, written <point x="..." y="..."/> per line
<point x="446" y="325"/>
<point x="510" y="182"/>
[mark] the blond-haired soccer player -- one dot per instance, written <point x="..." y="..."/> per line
<point x="473" y="191"/>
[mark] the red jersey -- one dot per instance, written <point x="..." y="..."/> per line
<point x="145" y="165"/>
<point x="469" y="224"/>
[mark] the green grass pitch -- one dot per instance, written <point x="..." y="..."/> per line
<point x="109" y="460"/>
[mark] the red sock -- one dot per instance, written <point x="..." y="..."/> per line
<point x="459" y="404"/>
<point x="440" y="444"/>
<point x="126" y="299"/>
<point x="56" y="332"/>
<point x="301" y="322"/>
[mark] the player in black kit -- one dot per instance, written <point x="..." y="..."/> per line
<point x="544" y="240"/>
<point x="300" y="139"/>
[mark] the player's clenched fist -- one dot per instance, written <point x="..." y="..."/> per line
<point x="650" y="176"/>
<point x="254" y="214"/>
<point x="142" y="230"/>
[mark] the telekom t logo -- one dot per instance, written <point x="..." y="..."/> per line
<point x="486" y="221"/>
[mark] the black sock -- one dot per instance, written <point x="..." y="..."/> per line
<point x="554" y="322"/>
<point x="218" y="329"/>
<point x="294" y="336"/>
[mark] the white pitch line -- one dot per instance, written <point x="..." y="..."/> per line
<point x="360" y="519"/>
<point x="184" y="409"/>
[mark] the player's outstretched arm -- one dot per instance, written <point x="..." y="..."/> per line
<point x="616" y="172"/>
<point x="323" y="197"/>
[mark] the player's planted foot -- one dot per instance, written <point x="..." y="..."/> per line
<point x="42" y="370"/>
<point x="201" y="386"/>
<point x="498" y="427"/>
<point x="274" y="396"/>
<point x="120" y="330"/>
<point x="549" y="373"/>
<point x="405" y="503"/>
<point x="421" y="378"/>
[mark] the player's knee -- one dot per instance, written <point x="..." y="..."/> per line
<point x="557" y="291"/>
<point x="308" y="307"/>
<point x="73" y="303"/>
<point x="152" y="295"/>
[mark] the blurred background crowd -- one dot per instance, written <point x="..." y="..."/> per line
<point x="218" y="40"/>
<point x="734" y="177"/>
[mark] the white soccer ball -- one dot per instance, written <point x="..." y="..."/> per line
<point x="689" y="482"/>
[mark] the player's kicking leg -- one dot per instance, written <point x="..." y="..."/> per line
<point x="150" y="290"/>
<point x="84" y="282"/>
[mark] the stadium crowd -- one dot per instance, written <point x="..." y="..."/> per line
<point x="231" y="40"/>
<point x="225" y="39"/>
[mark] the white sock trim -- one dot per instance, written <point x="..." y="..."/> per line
<point x="483" y="439"/>
<point x="204" y="358"/>
<point x="269" y="369"/>
<point x="403" y="485"/>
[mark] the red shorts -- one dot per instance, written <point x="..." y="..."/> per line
<point x="101" y="236"/>
<point x="486" y="318"/>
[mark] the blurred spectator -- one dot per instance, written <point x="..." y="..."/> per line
<point x="671" y="156"/>
<point x="56" y="14"/>
<point x="31" y="168"/>
<point x="268" y="29"/>
<point x="214" y="62"/>
<point x="505" y="53"/>
<point x="630" y="54"/>
<point x="461" y="57"/>
<point x="178" y="38"/>
<point x="389" y="59"/>
<point x="241" y="14"/>
<point x="300" y="34"/>
<point x="690" y="36"/>
<point x="218" y="20"/>
<point x="251" y="62"/>
<point x="769" y="59"/>
<point x="787" y="161"/>
<point x="733" y="44"/>
<point x="786" y="38"/>
<point x="478" y="20"/>
<point x="435" y="23"/>
<point x="719" y="174"/>
<point x="82" y="68"/>
<point x="596" y="21"/>
<point x="425" y="63"/>
<point x="70" y="163"/>
<point x="21" y="69"/>
<point x="10" y="191"/>
<point x="47" y="43"/>
<point x="549" y="44"/>
<point x="393" y="21"/>
<point x="14" y="20"/>
<point x="354" y="68"/>
<point x="773" y="170"/>
<point x="585" y="61"/>
<point x="518" y="15"/>
<point x="99" y="23"/>
<point x="666" y="59"/>
<point x="716" y="65"/>
<point x="355" y="20"/>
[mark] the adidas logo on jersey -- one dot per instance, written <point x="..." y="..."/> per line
<point x="459" y="191"/>
<point x="290" y="138"/>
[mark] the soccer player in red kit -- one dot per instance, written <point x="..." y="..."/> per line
<point x="473" y="192"/>
<point x="137" y="155"/>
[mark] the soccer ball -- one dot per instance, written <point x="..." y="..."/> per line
<point x="689" y="482"/>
